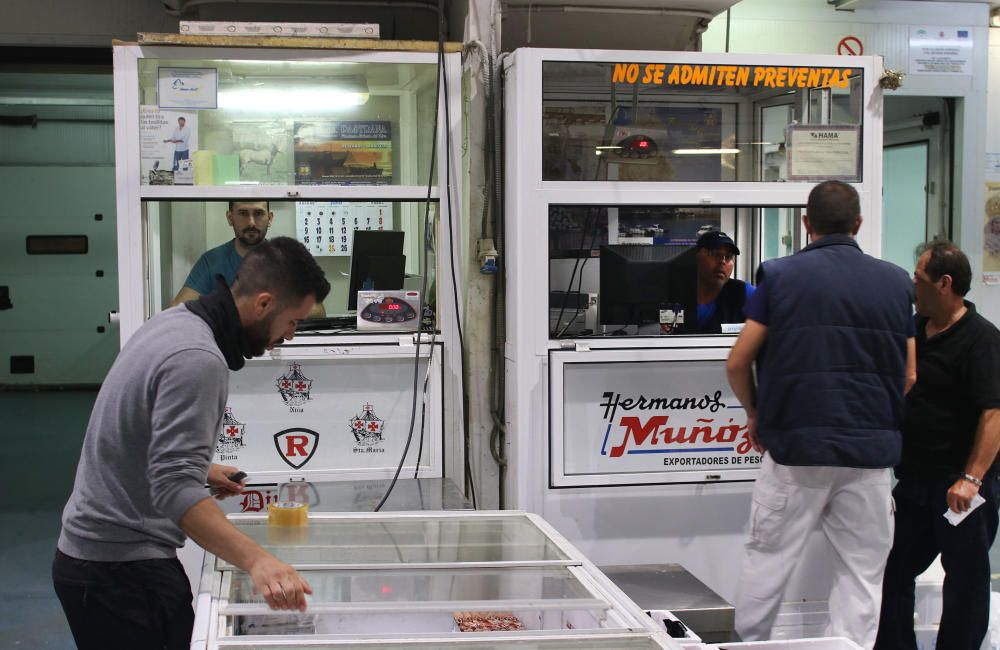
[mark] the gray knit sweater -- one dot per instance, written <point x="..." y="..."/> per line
<point x="149" y="443"/>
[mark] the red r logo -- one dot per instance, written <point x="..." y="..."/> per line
<point x="296" y="446"/>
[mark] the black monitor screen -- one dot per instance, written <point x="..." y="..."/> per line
<point x="638" y="280"/>
<point x="377" y="262"/>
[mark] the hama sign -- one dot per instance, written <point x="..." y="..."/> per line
<point x="753" y="76"/>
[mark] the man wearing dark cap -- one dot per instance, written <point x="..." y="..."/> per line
<point x="720" y="297"/>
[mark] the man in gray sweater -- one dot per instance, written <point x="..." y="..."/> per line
<point x="147" y="455"/>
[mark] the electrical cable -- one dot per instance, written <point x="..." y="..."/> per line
<point x="498" y="436"/>
<point x="490" y="191"/>
<point x="491" y="202"/>
<point x="608" y="131"/>
<point x="579" y="281"/>
<point x="485" y="66"/>
<point x="572" y="276"/>
<point x="577" y="266"/>
<point x="469" y="483"/>
<point x="428" y="242"/>
<point x="423" y="406"/>
<point x="416" y="354"/>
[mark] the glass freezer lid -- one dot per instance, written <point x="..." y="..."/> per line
<point x="455" y="587"/>
<point x="330" y="541"/>
<point x="604" y="642"/>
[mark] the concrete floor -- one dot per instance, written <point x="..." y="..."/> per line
<point x="41" y="438"/>
<point x="30" y="615"/>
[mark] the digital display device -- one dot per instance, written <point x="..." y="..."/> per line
<point x="389" y="310"/>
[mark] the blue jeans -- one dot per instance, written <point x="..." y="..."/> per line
<point x="179" y="156"/>
<point x="125" y="605"/>
<point x="921" y="533"/>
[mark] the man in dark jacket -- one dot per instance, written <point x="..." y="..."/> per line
<point x="826" y="408"/>
<point x="951" y="434"/>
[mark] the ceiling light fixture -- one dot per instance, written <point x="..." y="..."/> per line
<point x="694" y="152"/>
<point x="277" y="97"/>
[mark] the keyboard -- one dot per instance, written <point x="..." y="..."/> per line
<point x="334" y="322"/>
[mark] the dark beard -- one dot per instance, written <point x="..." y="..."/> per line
<point x="259" y="336"/>
<point x="250" y="243"/>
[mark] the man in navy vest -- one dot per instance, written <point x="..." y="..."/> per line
<point x="832" y="334"/>
<point x="951" y="434"/>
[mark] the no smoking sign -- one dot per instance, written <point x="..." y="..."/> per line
<point x="850" y="46"/>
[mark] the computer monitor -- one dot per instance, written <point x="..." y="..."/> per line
<point x="377" y="260"/>
<point x="637" y="280"/>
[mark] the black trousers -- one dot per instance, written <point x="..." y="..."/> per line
<point x="921" y="533"/>
<point x="125" y="605"/>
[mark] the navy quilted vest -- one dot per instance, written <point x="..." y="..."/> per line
<point x="832" y="371"/>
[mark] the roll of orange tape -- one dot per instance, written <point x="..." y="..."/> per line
<point x="288" y="514"/>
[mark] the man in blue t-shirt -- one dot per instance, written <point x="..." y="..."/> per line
<point x="250" y="221"/>
<point x="720" y="297"/>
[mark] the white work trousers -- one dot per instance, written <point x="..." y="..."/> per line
<point x="854" y="508"/>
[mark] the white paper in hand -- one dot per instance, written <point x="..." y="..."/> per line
<point x="955" y="518"/>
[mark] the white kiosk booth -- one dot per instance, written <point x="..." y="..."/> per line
<point x="345" y="140"/>
<point x="627" y="441"/>
<point x="341" y="143"/>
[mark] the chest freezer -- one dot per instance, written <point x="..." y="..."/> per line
<point x="399" y="578"/>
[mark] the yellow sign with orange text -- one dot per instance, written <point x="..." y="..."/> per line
<point x="659" y="74"/>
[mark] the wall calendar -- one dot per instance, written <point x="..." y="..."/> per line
<point x="327" y="227"/>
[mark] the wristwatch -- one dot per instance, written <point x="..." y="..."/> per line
<point x="972" y="479"/>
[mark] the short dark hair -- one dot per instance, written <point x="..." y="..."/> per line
<point x="833" y="208"/>
<point x="232" y="203"/>
<point x="948" y="259"/>
<point x="283" y="267"/>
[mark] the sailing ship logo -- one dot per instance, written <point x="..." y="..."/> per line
<point x="293" y="386"/>
<point x="231" y="436"/>
<point x="367" y="427"/>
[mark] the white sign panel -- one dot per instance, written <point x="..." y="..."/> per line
<point x="327" y="227"/>
<point x="187" y="88"/>
<point x="824" y="152"/>
<point x="940" y="50"/>
<point x="314" y="415"/>
<point x="623" y="422"/>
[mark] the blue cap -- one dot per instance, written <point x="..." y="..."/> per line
<point x="714" y="239"/>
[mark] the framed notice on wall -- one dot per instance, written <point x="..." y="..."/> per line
<point x="645" y="416"/>
<point x="187" y="88"/>
<point x="824" y="152"/>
